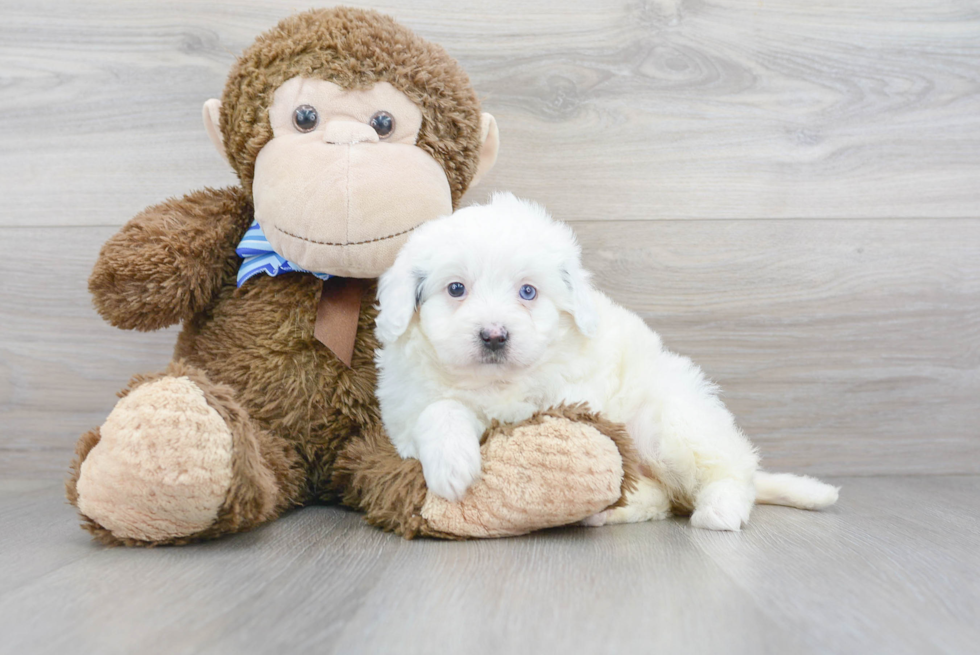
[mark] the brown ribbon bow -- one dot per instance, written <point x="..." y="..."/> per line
<point x="337" y="314"/>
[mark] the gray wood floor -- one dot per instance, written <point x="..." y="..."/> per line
<point x="894" y="568"/>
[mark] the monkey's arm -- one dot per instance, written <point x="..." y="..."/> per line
<point x="558" y="467"/>
<point x="167" y="262"/>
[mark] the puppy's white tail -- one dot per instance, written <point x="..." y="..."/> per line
<point x="790" y="490"/>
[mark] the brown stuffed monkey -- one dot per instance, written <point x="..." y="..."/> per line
<point x="346" y="131"/>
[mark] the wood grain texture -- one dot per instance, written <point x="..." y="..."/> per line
<point x="850" y="346"/>
<point x="893" y="568"/>
<point x="622" y="110"/>
<point x="60" y="364"/>
<point x="842" y="347"/>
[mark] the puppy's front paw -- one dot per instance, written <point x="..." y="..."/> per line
<point x="450" y="472"/>
<point x="448" y="440"/>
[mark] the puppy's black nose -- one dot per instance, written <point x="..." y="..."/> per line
<point x="494" y="338"/>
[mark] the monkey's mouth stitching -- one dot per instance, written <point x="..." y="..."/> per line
<point x="351" y="243"/>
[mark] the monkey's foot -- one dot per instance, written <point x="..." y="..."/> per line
<point x="162" y="467"/>
<point x="555" y="469"/>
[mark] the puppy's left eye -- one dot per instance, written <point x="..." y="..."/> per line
<point x="456" y="289"/>
<point x="528" y="292"/>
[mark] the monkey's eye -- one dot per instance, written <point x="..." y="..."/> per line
<point x="383" y="123"/>
<point x="305" y="118"/>
<point x="528" y="292"/>
<point x="456" y="289"/>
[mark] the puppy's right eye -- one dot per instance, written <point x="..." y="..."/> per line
<point x="456" y="289"/>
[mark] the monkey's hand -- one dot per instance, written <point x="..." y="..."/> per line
<point x="557" y="468"/>
<point x="554" y="469"/>
<point x="168" y="262"/>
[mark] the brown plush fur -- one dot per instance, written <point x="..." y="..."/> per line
<point x="251" y="350"/>
<point x="167" y="263"/>
<point x="305" y="428"/>
<point x="354" y="48"/>
<point x="265" y="468"/>
<point x="390" y="490"/>
<point x="83" y="446"/>
<point x="259" y="340"/>
<point x="280" y="390"/>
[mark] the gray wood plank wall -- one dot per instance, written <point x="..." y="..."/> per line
<point x="788" y="191"/>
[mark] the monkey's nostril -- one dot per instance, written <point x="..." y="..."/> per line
<point x="494" y="338"/>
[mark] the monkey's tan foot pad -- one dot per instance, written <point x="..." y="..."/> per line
<point x="538" y="475"/>
<point x="162" y="468"/>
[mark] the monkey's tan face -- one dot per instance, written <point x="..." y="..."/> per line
<point x="341" y="184"/>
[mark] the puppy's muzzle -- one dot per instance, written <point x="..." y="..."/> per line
<point x="494" y="339"/>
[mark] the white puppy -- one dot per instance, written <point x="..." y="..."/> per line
<point x="488" y="314"/>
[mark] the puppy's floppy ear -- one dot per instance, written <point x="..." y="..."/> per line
<point x="399" y="297"/>
<point x="582" y="307"/>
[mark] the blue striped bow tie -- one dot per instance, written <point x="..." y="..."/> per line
<point x="259" y="257"/>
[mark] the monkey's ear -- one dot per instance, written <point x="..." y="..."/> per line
<point x="399" y="297"/>
<point x="212" y="123"/>
<point x="490" y="137"/>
